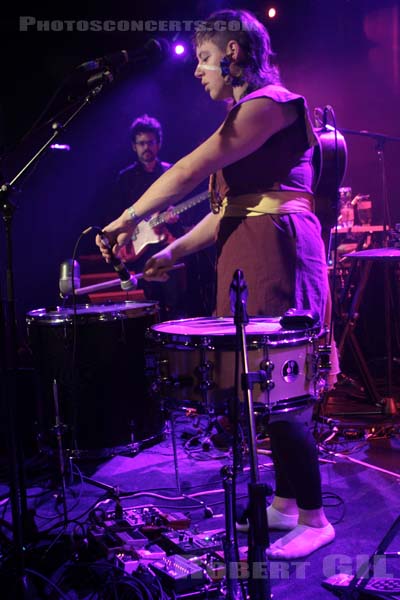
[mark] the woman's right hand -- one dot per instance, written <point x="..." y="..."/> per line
<point x="157" y="266"/>
<point x="118" y="233"/>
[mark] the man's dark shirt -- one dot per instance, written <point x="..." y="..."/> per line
<point x="133" y="181"/>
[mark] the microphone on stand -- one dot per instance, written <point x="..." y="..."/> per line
<point x="104" y="69"/>
<point x="154" y="50"/>
<point x="65" y="282"/>
<point x="238" y="294"/>
<point x="321" y="117"/>
<point x="325" y="116"/>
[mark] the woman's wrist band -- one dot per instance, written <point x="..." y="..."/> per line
<point x="132" y="214"/>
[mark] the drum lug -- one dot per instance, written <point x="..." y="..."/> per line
<point x="266" y="382"/>
<point x="205" y="342"/>
<point x="267" y="385"/>
<point x="267" y="366"/>
<point x="204" y="373"/>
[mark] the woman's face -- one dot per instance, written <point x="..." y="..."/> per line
<point x="208" y="70"/>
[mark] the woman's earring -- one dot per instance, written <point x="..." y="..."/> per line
<point x="231" y="73"/>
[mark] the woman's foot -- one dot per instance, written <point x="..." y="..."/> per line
<point x="300" y="542"/>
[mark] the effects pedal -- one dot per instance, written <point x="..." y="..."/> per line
<point x="134" y="518"/>
<point x="178" y="574"/>
<point x="186" y="542"/>
<point x="111" y="542"/>
<point x="130" y="561"/>
<point x="176" y="520"/>
<point x="376" y="587"/>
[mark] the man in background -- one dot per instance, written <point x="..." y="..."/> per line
<point x="132" y="182"/>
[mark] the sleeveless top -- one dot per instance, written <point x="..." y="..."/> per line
<point x="282" y="163"/>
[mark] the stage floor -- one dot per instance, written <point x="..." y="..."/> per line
<point x="360" y="469"/>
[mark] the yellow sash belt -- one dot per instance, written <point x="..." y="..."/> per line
<point x="276" y="203"/>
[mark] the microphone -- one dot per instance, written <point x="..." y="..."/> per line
<point x="238" y="293"/>
<point x="321" y="116"/>
<point x="153" y="50"/>
<point x="325" y="116"/>
<point x="65" y="281"/>
<point x="128" y="281"/>
<point x="318" y="116"/>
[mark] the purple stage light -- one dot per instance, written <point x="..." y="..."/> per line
<point x="179" y="49"/>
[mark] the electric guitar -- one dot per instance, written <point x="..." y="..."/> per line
<point x="145" y="233"/>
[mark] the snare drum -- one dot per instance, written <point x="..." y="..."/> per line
<point x="102" y="396"/>
<point x="197" y="358"/>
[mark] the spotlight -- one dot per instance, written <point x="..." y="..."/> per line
<point x="179" y="49"/>
<point x="271" y="12"/>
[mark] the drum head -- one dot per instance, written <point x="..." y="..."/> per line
<point x="220" y="332"/>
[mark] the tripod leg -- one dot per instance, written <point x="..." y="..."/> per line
<point x="175" y="451"/>
<point x="61" y="458"/>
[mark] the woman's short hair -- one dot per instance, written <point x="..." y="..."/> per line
<point x="240" y="25"/>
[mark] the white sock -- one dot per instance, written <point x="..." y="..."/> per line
<point x="300" y="542"/>
<point x="280" y="520"/>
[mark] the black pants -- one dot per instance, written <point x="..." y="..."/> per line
<point x="295" y="459"/>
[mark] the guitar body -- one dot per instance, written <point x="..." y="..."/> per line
<point x="149" y="231"/>
<point x="329" y="170"/>
<point x="144" y="235"/>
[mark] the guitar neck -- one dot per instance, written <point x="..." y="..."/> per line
<point x="178" y="209"/>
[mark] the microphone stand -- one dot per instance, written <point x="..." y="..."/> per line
<point x="22" y="522"/>
<point x="258" y="540"/>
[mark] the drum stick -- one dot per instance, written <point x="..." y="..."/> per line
<point x="89" y="289"/>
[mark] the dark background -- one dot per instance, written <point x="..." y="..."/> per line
<point x="343" y="53"/>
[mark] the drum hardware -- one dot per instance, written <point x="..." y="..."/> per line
<point x="204" y="373"/>
<point x="267" y="366"/>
